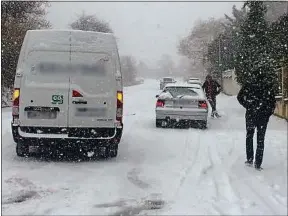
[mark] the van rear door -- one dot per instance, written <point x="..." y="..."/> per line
<point x="44" y="89"/>
<point x="93" y="90"/>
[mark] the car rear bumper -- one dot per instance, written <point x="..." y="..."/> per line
<point x="182" y="114"/>
<point x="68" y="137"/>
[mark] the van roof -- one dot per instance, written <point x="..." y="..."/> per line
<point x="69" y="30"/>
<point x="66" y="39"/>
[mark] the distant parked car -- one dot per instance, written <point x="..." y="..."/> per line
<point x="166" y="80"/>
<point x="194" y="81"/>
<point x="181" y="104"/>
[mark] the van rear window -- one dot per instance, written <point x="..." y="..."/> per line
<point x="52" y="68"/>
<point x="83" y="69"/>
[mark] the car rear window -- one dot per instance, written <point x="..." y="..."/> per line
<point x="167" y="79"/>
<point x="181" y="91"/>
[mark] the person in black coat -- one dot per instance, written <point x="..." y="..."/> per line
<point x="259" y="101"/>
<point x="212" y="88"/>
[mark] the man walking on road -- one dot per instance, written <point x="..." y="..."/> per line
<point x="259" y="101"/>
<point x="212" y="89"/>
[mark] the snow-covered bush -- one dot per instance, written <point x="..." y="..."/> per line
<point x="6" y="97"/>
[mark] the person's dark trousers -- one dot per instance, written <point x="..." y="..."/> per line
<point x="259" y="121"/>
<point x="212" y="101"/>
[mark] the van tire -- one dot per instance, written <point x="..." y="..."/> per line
<point x="110" y="151"/>
<point x="113" y="151"/>
<point x="22" y="149"/>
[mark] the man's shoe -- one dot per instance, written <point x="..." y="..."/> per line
<point x="213" y="114"/>
<point x="258" y="167"/>
<point x="217" y="115"/>
<point x="249" y="162"/>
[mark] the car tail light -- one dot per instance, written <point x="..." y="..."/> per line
<point x="160" y="103"/>
<point x="76" y="93"/>
<point x="119" y="112"/>
<point x="16" y="101"/>
<point x="203" y="104"/>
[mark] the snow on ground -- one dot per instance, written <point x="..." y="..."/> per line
<point x="187" y="171"/>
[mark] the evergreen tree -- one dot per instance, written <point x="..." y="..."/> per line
<point x="253" y="55"/>
<point x="279" y="40"/>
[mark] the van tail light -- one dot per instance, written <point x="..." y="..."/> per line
<point x="76" y="93"/>
<point x="160" y="103"/>
<point x="16" y="101"/>
<point x="119" y="112"/>
<point x="203" y="104"/>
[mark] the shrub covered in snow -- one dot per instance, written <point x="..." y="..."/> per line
<point x="6" y="97"/>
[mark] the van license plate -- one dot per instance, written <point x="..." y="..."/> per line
<point x="41" y="115"/>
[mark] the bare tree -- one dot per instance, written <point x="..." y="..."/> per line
<point x="90" y="23"/>
<point x="275" y="9"/>
<point x="16" y="18"/>
<point x="129" y="70"/>
<point x="195" y="45"/>
<point x="166" y="65"/>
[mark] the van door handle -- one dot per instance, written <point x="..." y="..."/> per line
<point x="79" y="102"/>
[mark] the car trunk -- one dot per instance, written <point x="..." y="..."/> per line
<point x="182" y="102"/>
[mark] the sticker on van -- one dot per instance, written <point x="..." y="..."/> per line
<point x="57" y="99"/>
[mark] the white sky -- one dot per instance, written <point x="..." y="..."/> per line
<point x="145" y="30"/>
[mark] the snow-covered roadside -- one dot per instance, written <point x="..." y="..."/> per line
<point x="191" y="171"/>
<point x="6" y="96"/>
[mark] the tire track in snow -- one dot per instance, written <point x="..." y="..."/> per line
<point x="191" y="161"/>
<point x="217" y="172"/>
<point x="133" y="177"/>
<point x="233" y="157"/>
<point x="255" y="187"/>
<point x="228" y="163"/>
<point x="191" y="171"/>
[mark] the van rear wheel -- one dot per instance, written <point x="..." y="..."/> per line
<point x="113" y="150"/>
<point x="22" y="149"/>
<point x="110" y="151"/>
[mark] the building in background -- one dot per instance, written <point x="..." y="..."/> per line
<point x="282" y="97"/>
<point x="230" y="85"/>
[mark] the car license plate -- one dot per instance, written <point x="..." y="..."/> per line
<point x="41" y="115"/>
<point x="169" y="103"/>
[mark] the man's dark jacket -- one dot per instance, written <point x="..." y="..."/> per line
<point x="211" y="88"/>
<point x="257" y="98"/>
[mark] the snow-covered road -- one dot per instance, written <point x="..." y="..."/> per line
<point x="192" y="171"/>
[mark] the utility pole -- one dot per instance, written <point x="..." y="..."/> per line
<point x="219" y="60"/>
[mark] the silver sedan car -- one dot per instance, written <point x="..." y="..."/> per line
<point x="183" y="105"/>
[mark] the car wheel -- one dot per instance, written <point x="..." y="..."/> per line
<point x="203" y="125"/>
<point x="158" y="123"/>
<point x="22" y="149"/>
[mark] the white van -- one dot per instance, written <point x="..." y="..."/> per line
<point x="68" y="92"/>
